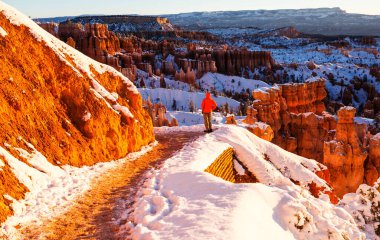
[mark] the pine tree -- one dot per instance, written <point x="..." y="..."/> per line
<point x="174" y="106"/>
<point x="192" y="106"/>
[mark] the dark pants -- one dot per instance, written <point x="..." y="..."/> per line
<point x="207" y="120"/>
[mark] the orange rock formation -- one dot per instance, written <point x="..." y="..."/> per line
<point x="284" y="108"/>
<point x="295" y="114"/>
<point x="345" y="155"/>
<point x="55" y="106"/>
<point x="157" y="112"/>
<point x="372" y="172"/>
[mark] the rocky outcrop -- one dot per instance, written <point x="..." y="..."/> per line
<point x="275" y="104"/>
<point x="305" y="134"/>
<point x="230" y="119"/>
<point x="186" y="77"/>
<point x="235" y="62"/>
<point x="94" y="40"/>
<point x="202" y="65"/>
<point x="73" y="110"/>
<point x="295" y="113"/>
<point x="51" y="28"/>
<point x="91" y="35"/>
<point x="372" y="168"/>
<point x="251" y="115"/>
<point x="345" y="155"/>
<point x="305" y="97"/>
<point x="366" y="40"/>
<point x="129" y="23"/>
<point x="157" y="113"/>
<point x="262" y="130"/>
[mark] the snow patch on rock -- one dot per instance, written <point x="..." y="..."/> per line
<point x="3" y="33"/>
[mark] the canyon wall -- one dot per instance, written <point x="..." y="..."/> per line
<point x="295" y="113"/>
<point x="126" y="54"/>
<point x="55" y="100"/>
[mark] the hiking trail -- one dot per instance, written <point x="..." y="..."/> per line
<point x="95" y="214"/>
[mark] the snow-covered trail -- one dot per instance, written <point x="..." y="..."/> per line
<point x="97" y="214"/>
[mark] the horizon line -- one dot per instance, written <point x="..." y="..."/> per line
<point x="212" y="11"/>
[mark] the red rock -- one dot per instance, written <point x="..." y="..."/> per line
<point x="51" y="28"/>
<point x="251" y="115"/>
<point x="262" y="130"/>
<point x="232" y="62"/>
<point x="345" y="155"/>
<point x="47" y="102"/>
<point x="372" y="173"/>
<point x="157" y="113"/>
<point x="230" y="119"/>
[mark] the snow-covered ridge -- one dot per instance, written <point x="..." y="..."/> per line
<point x="216" y="209"/>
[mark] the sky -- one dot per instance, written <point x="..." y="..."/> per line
<point x="53" y="8"/>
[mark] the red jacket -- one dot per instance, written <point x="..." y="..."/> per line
<point x="208" y="104"/>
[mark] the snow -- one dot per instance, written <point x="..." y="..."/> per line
<point x="364" y="206"/>
<point x="183" y="98"/>
<point x="366" y="121"/>
<point x="259" y="157"/>
<point x="124" y="110"/>
<point x="1" y="165"/>
<point x="348" y="108"/>
<point x="3" y="33"/>
<point x="189" y="118"/>
<point x="87" y="116"/>
<point x="239" y="168"/>
<point x="52" y="188"/>
<point x="181" y="201"/>
<point x="235" y="84"/>
<point x="376" y="137"/>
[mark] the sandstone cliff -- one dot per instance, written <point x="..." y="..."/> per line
<point x="295" y="113"/>
<point x="68" y="107"/>
<point x="291" y="110"/>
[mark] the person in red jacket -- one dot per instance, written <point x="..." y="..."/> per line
<point x="208" y="105"/>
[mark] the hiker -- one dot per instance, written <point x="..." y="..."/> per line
<point x="208" y="105"/>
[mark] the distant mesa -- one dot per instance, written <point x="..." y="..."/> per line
<point x="324" y="21"/>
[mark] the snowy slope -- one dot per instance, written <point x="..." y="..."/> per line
<point x="181" y="201"/>
<point x="235" y="84"/>
<point x="193" y="118"/>
<point x="183" y="99"/>
<point x="364" y="205"/>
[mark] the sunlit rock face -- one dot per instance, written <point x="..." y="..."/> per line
<point x="295" y="113"/>
<point x="57" y="101"/>
<point x="345" y="155"/>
